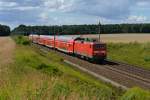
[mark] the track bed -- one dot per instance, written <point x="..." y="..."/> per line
<point x="119" y="74"/>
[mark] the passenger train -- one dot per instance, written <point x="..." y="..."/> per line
<point x="75" y="45"/>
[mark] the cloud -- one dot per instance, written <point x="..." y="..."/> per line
<point x="96" y="8"/>
<point x="58" y="5"/>
<point x="137" y="18"/>
<point x="103" y="8"/>
<point x="23" y="8"/>
<point x="55" y="7"/>
<point x="9" y="6"/>
<point x="43" y="16"/>
<point x="73" y="11"/>
<point x="143" y="3"/>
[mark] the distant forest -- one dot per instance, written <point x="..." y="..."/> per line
<point x="82" y="29"/>
<point x="75" y="29"/>
<point x="4" y="30"/>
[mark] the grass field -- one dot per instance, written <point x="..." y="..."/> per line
<point x="123" y="38"/>
<point x="132" y="53"/>
<point x="129" y="48"/>
<point x="35" y="75"/>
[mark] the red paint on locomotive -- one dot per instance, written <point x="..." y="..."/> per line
<point x="91" y="50"/>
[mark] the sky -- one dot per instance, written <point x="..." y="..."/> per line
<point x="66" y="12"/>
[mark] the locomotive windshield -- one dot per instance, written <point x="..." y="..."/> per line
<point x="99" y="46"/>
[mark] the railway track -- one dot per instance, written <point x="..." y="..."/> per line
<point x="136" y="71"/>
<point x="119" y="74"/>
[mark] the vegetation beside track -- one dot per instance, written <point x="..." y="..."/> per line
<point x="133" y="53"/>
<point x="21" y="40"/>
<point x="136" y="94"/>
<point x="38" y="75"/>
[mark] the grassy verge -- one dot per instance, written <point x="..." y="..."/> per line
<point x="132" y="53"/>
<point x="136" y="94"/>
<point x="35" y="75"/>
<point x="21" y="40"/>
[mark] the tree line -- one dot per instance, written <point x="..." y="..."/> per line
<point x="82" y="29"/>
<point x="4" y="30"/>
<point x="75" y="29"/>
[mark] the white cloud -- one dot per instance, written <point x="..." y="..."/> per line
<point x="54" y="6"/>
<point x="61" y="5"/>
<point x="143" y="3"/>
<point x="43" y="16"/>
<point x="23" y="8"/>
<point x="7" y="4"/>
<point x="100" y="8"/>
<point x="74" y="11"/>
<point x="137" y="18"/>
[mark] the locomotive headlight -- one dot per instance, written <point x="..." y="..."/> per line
<point x="96" y="52"/>
<point x="100" y="52"/>
<point x="104" y="52"/>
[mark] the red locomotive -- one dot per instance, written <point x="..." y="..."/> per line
<point x="74" y="45"/>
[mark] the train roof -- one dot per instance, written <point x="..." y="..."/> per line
<point x="33" y="35"/>
<point x="47" y="36"/>
<point x="67" y="37"/>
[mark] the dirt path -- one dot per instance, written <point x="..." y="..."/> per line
<point x="7" y="47"/>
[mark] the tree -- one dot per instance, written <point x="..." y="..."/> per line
<point x="4" y="30"/>
<point x="82" y="29"/>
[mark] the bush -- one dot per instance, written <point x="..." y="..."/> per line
<point x="136" y="94"/>
<point x="147" y="59"/>
<point x="22" y="40"/>
<point x="42" y="66"/>
<point x="50" y="69"/>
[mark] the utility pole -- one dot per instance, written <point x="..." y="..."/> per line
<point x="54" y="38"/>
<point x="62" y="29"/>
<point x="99" y="30"/>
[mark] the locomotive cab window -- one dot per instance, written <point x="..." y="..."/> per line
<point x="99" y="46"/>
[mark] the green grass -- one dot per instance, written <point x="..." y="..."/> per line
<point x="36" y="75"/>
<point x="21" y="40"/>
<point x="136" y="94"/>
<point x="132" y="53"/>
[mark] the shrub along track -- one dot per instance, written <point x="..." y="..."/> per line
<point x="119" y="74"/>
